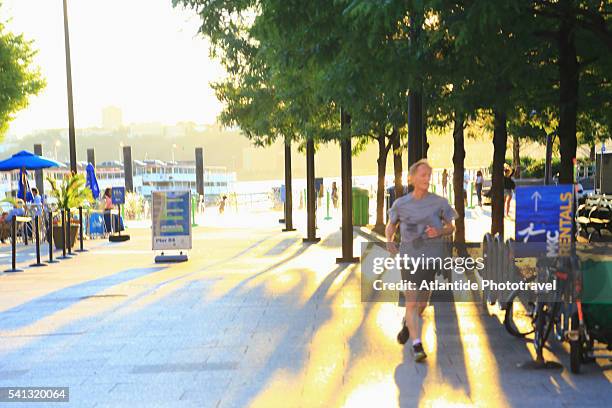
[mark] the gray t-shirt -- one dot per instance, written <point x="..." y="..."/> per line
<point x="414" y="215"/>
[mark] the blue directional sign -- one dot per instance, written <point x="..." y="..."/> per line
<point x="544" y="216"/>
<point x="118" y="195"/>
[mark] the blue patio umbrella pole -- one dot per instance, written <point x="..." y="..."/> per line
<point x="22" y="192"/>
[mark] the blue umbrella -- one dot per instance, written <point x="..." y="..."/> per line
<point x="25" y="160"/>
<point x="28" y="161"/>
<point x="92" y="182"/>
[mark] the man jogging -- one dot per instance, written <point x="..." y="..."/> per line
<point x="424" y="218"/>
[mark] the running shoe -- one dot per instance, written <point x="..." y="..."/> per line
<point x="418" y="352"/>
<point x="404" y="334"/>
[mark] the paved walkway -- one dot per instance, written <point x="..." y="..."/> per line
<point x="256" y="318"/>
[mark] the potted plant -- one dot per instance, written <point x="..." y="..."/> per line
<point x="71" y="193"/>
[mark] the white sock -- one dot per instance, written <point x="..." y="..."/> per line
<point x="416" y="341"/>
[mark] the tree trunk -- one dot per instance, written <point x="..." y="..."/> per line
<point x="516" y="156"/>
<point x="380" y="192"/>
<point x="568" y="99"/>
<point x="459" y="169"/>
<point x="288" y="189"/>
<point x="397" y="164"/>
<point x="500" y="139"/>
<point x="311" y="209"/>
<point x="592" y="153"/>
<point x="415" y="127"/>
<point x="416" y="135"/>
<point x="424" y="143"/>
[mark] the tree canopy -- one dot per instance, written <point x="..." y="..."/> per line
<point x="531" y="68"/>
<point x="19" y="79"/>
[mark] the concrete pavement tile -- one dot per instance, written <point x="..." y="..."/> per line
<point x="73" y="373"/>
<point x="114" y="375"/>
<point x="10" y="375"/>
<point x="164" y="389"/>
<point x="147" y="404"/>
<point x="88" y="394"/>
<point x="231" y="356"/>
<point x="208" y="389"/>
<point x="178" y="355"/>
<point x="134" y="357"/>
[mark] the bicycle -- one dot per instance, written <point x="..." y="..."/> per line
<point x="542" y="312"/>
<point x="520" y="311"/>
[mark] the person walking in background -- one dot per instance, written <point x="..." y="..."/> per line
<point x="479" y="183"/>
<point x="509" y="187"/>
<point x="222" y="204"/>
<point x="466" y="186"/>
<point x="444" y="182"/>
<point x="201" y="204"/>
<point x="108" y="207"/>
<point x="37" y="202"/>
<point x="146" y="209"/>
<point x="423" y="218"/>
<point x="334" y="195"/>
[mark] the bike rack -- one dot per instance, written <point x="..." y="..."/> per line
<point x="507" y="272"/>
<point x="498" y="248"/>
<point x="487" y="252"/>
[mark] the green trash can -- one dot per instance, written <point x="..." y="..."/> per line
<point x="361" y="206"/>
<point x="597" y="295"/>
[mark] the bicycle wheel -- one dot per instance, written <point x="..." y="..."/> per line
<point x="519" y="319"/>
<point x="576" y="351"/>
<point x="544" y="321"/>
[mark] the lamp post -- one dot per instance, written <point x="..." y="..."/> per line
<point x="71" y="133"/>
<point x="55" y="146"/>
<point x="120" y="151"/>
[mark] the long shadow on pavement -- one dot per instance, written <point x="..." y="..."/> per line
<point x="245" y="395"/>
<point x="453" y="370"/>
<point x="539" y="387"/>
<point x="27" y="313"/>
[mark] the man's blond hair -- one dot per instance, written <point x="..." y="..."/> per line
<point x="413" y="169"/>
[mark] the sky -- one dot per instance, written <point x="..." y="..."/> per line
<point x="142" y="56"/>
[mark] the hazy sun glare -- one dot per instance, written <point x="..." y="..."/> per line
<point x="140" y="55"/>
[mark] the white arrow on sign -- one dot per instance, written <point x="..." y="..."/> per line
<point x="535" y="197"/>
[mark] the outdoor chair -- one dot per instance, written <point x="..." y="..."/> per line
<point x="595" y="215"/>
